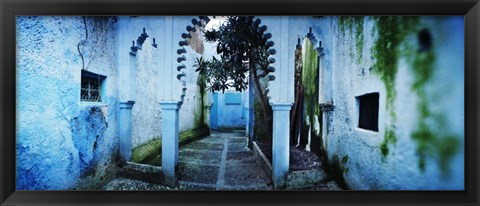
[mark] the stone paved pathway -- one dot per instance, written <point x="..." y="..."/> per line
<point x="219" y="162"/>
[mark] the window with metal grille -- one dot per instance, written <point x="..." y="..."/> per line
<point x="368" y="111"/>
<point x="91" y="90"/>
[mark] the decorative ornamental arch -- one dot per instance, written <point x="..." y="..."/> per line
<point x="137" y="45"/>
<point x="198" y="22"/>
<point x="181" y="76"/>
<point x="315" y="42"/>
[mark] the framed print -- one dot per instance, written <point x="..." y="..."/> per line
<point x="242" y="103"/>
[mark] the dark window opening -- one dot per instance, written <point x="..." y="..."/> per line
<point x="368" y="111"/>
<point x="91" y="90"/>
<point x="424" y="40"/>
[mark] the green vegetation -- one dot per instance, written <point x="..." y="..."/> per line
<point x="240" y="39"/>
<point x="354" y="23"/>
<point x="390" y="138"/>
<point x="344" y="163"/>
<point x="194" y="134"/>
<point x="431" y="135"/>
<point x="386" y="54"/>
<point x="147" y="151"/>
<point x="392" y="31"/>
<point x="430" y="142"/>
<point x="336" y="169"/>
<point x="310" y="68"/>
<point x="310" y="75"/>
<point x="150" y="151"/>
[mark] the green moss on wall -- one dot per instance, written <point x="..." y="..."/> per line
<point x="392" y="31"/>
<point x="336" y="169"/>
<point x="431" y="136"/>
<point x="354" y="24"/>
<point x="436" y="143"/>
<point x="389" y="139"/>
<point x="150" y="152"/>
<point x="447" y="147"/>
<point x="147" y="151"/>
<point x="200" y="114"/>
<point x="310" y="68"/>
<point x="194" y="134"/>
<point x="386" y="55"/>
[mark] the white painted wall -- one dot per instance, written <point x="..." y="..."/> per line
<point x="343" y="78"/>
<point x="399" y="170"/>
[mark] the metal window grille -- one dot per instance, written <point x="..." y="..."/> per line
<point x="91" y="90"/>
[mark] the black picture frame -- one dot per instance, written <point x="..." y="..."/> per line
<point x="9" y="9"/>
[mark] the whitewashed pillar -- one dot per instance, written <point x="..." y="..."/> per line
<point x="281" y="142"/>
<point x="127" y="74"/>
<point x="170" y="126"/>
<point x="281" y="100"/>
<point x="170" y="97"/>
<point x="125" y="127"/>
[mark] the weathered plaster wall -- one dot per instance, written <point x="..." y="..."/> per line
<point x="191" y="110"/>
<point x="420" y="140"/>
<point x="192" y="104"/>
<point x="63" y="143"/>
<point x="146" y="113"/>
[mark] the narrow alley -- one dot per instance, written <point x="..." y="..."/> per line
<point x="180" y="103"/>
<point x="221" y="161"/>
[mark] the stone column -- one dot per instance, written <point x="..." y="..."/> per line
<point x="281" y="142"/>
<point x="172" y="91"/>
<point x="125" y="127"/>
<point x="170" y="124"/>
<point x="281" y="96"/>
<point x="127" y="75"/>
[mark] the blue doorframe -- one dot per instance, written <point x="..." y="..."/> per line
<point x="214" y="112"/>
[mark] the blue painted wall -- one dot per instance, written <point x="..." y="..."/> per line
<point x="228" y="110"/>
<point x="61" y="142"/>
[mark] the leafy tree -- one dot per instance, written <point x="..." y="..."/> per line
<point x="244" y="52"/>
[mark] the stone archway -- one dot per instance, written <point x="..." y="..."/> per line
<point x="268" y="75"/>
<point x="197" y="23"/>
<point x="308" y="94"/>
<point x="279" y="94"/>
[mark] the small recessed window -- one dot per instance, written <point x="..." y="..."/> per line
<point x="368" y="111"/>
<point x="92" y="84"/>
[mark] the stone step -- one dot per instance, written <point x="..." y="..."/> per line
<point x="141" y="172"/>
<point x="305" y="178"/>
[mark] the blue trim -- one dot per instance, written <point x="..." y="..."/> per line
<point x="86" y="73"/>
